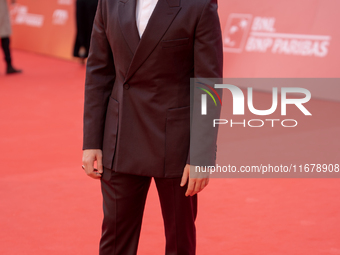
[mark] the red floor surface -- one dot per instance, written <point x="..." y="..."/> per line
<point x="49" y="206"/>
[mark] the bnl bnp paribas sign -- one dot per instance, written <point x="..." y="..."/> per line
<point x="243" y="32"/>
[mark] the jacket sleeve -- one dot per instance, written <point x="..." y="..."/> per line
<point x="100" y="77"/>
<point x="208" y="63"/>
<point x="208" y="52"/>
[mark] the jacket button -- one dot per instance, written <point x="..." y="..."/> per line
<point x="126" y="86"/>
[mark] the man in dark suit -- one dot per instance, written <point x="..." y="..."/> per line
<point x="137" y="113"/>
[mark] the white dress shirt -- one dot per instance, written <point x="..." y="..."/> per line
<point x="144" y="10"/>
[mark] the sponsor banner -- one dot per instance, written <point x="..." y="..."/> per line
<point x="65" y="2"/>
<point x="282" y="38"/>
<point x="261" y="38"/>
<point x="46" y="27"/>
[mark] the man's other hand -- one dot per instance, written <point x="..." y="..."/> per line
<point x="195" y="185"/>
<point x="89" y="157"/>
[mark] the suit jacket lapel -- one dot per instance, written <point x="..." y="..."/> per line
<point x="160" y="20"/>
<point x="127" y="21"/>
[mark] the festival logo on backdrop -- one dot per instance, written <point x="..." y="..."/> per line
<point x="21" y="16"/>
<point x="60" y="17"/>
<point x="65" y="2"/>
<point x="243" y="32"/>
<point x="236" y="32"/>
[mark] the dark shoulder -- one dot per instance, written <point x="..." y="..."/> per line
<point x="197" y="5"/>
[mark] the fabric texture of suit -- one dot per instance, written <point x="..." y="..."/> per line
<point x="137" y="92"/>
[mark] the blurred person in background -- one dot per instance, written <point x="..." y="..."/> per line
<point x="85" y="12"/>
<point x="5" y="32"/>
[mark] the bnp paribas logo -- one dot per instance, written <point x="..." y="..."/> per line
<point x="211" y="91"/>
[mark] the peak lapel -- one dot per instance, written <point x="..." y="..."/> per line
<point x="160" y="20"/>
<point x="127" y="21"/>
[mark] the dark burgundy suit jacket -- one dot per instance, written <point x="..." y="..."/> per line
<point x="137" y="91"/>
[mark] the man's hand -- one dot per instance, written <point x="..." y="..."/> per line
<point x="195" y="185"/>
<point x="89" y="157"/>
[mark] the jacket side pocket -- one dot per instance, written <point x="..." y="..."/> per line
<point x="110" y="133"/>
<point x="177" y="140"/>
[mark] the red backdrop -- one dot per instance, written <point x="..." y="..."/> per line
<point x="46" y="27"/>
<point x="262" y="38"/>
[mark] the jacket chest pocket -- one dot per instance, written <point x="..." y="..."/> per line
<point x="174" y="43"/>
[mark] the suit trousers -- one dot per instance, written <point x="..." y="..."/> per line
<point x="124" y="197"/>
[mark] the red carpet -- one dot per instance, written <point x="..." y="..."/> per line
<point x="49" y="206"/>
